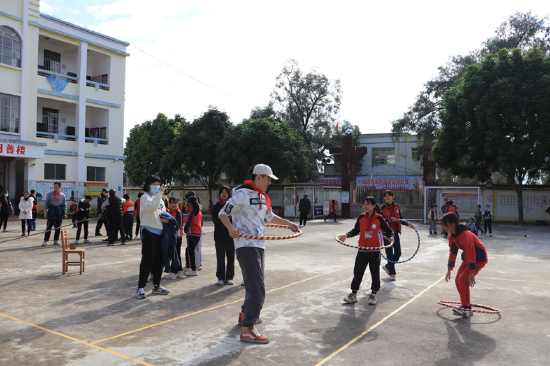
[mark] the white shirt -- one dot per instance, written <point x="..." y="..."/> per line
<point x="248" y="209"/>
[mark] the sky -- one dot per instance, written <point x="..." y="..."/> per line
<point x="383" y="53"/>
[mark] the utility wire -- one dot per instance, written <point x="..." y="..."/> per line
<point x="192" y="77"/>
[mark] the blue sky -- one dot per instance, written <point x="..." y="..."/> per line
<point x="383" y="52"/>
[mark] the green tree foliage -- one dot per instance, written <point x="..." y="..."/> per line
<point x="522" y="30"/>
<point x="148" y="150"/>
<point x="497" y="119"/>
<point x="265" y="141"/>
<point x="310" y="103"/>
<point x="195" y="146"/>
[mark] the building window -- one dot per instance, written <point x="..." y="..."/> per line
<point x="383" y="155"/>
<point x="50" y="120"/>
<point x="10" y="47"/>
<point x="415" y="153"/>
<point x="9" y="113"/>
<point x="52" y="61"/>
<point x="54" y="171"/>
<point x="95" y="174"/>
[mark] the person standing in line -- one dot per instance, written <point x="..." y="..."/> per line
<point x="136" y="210"/>
<point x="151" y="205"/>
<point x="198" y="247"/>
<point x="55" y="210"/>
<point x="34" y="209"/>
<point x="114" y="213"/>
<point x="478" y="218"/>
<point x="82" y="217"/>
<point x="6" y="209"/>
<point x="225" y="247"/>
<point x="304" y="208"/>
<point x="488" y="220"/>
<point x="72" y="210"/>
<point x="193" y="229"/>
<point x="100" y="221"/>
<point x="392" y="214"/>
<point x="25" y="212"/>
<point x="128" y="216"/>
<point x="249" y="207"/>
<point x="332" y="210"/>
<point x="433" y="220"/>
<point x="176" y="271"/>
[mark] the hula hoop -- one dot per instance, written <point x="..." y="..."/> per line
<point x="451" y="304"/>
<point x="417" y="247"/>
<point x="273" y="237"/>
<point x="363" y="248"/>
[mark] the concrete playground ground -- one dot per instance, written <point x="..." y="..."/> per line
<point x="94" y="319"/>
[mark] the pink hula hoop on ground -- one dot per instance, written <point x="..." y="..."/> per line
<point x="457" y="305"/>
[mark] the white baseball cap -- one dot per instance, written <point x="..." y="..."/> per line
<point x="262" y="169"/>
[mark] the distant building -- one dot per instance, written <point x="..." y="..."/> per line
<point x="61" y="103"/>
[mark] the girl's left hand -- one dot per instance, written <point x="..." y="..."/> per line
<point x="342" y="237"/>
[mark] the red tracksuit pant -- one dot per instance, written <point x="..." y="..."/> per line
<point x="461" y="281"/>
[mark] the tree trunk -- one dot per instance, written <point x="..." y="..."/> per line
<point x="519" y="192"/>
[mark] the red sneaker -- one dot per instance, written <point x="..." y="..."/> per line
<point x="253" y="336"/>
<point x="241" y="318"/>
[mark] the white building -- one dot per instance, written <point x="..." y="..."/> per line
<point x="61" y="104"/>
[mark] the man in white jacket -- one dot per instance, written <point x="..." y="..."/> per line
<point x="249" y="207"/>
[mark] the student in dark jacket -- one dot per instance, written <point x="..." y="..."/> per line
<point x="304" y="207"/>
<point x="82" y="216"/>
<point x="101" y="220"/>
<point x="6" y="209"/>
<point x="176" y="270"/>
<point x="34" y="209"/>
<point x="225" y="247"/>
<point x="114" y="214"/>
<point x="392" y="214"/>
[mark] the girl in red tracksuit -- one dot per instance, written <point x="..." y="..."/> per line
<point x="372" y="229"/>
<point x="193" y="229"/>
<point x="474" y="258"/>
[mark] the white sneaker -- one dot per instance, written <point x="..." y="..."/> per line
<point x="351" y="298"/>
<point x="87" y="241"/>
<point x="372" y="299"/>
<point x="392" y="278"/>
<point x="140" y="294"/>
<point x="229" y="282"/>
<point x="76" y="242"/>
<point x="220" y="283"/>
<point x="462" y="313"/>
<point x="170" y="276"/>
<point x="44" y="243"/>
<point x="56" y="242"/>
<point x="386" y="269"/>
<point x="180" y="274"/>
<point x="199" y="268"/>
<point x="186" y="269"/>
<point x="191" y="273"/>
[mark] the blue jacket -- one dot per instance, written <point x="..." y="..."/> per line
<point x="169" y="239"/>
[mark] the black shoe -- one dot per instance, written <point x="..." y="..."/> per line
<point x="435" y="233"/>
<point x="23" y="234"/>
<point x="98" y="234"/>
<point x="431" y="233"/>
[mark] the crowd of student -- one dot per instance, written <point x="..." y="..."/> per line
<point x="474" y="224"/>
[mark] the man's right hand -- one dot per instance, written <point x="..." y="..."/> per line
<point x="234" y="233"/>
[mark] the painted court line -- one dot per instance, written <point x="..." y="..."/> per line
<point x="211" y="308"/>
<point x="331" y="356"/>
<point x="77" y="340"/>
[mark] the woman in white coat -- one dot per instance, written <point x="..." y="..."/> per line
<point x="25" y="212"/>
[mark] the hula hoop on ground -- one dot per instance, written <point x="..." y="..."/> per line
<point x="417" y="247"/>
<point x="363" y="248"/>
<point x="457" y="305"/>
<point x="273" y="237"/>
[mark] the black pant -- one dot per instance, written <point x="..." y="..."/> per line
<point x="138" y="224"/>
<point x="85" y="223"/>
<point x="331" y="214"/>
<point x="29" y="225"/>
<point x="115" y="225"/>
<point x="49" y="226"/>
<point x="4" y="219"/>
<point x="364" y="259"/>
<point x="225" y="248"/>
<point x="488" y="223"/>
<point x="192" y="242"/>
<point x="393" y="254"/>
<point x="151" y="258"/>
<point x="176" y="269"/>
<point x="99" y="225"/>
<point x="303" y="216"/>
<point x="479" y="228"/>
<point x="129" y="224"/>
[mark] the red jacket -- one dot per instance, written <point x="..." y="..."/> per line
<point x="193" y="226"/>
<point x="371" y="229"/>
<point x="473" y="251"/>
<point x="396" y="213"/>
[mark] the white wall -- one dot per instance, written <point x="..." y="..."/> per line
<point x="404" y="163"/>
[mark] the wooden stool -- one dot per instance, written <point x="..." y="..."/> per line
<point x="66" y="251"/>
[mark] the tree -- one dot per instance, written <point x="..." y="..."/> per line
<point x="522" y="30"/>
<point x="194" y="148"/>
<point x="497" y="119"/>
<point x="309" y="103"/>
<point x="148" y="150"/>
<point x="265" y="141"/>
